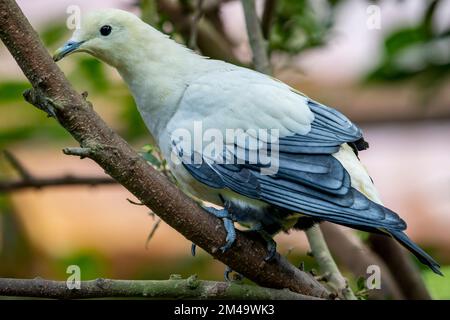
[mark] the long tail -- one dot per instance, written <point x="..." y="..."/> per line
<point x="423" y="257"/>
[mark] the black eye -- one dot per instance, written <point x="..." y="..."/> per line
<point x="105" y="30"/>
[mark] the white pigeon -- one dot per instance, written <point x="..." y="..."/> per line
<point x="314" y="173"/>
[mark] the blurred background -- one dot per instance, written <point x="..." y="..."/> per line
<point x="385" y="64"/>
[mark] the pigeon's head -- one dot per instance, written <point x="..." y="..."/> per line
<point x="110" y="35"/>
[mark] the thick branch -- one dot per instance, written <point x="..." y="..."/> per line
<point x="52" y="92"/>
<point x="190" y="288"/>
<point x="255" y="36"/>
<point x="326" y="263"/>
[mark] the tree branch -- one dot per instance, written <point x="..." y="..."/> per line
<point x="66" y="180"/>
<point x="28" y="180"/>
<point x="270" y="8"/>
<point x="401" y="266"/>
<point x="175" y="288"/>
<point x="53" y="93"/>
<point x="17" y="165"/>
<point x="326" y="263"/>
<point x="198" y="13"/>
<point x="256" y="39"/>
<point x="209" y="40"/>
<point x="351" y="252"/>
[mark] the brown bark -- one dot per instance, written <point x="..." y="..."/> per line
<point x="54" y="94"/>
<point x="173" y="288"/>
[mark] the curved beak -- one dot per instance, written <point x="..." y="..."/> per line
<point x="68" y="48"/>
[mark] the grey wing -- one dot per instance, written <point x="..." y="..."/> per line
<point x="309" y="179"/>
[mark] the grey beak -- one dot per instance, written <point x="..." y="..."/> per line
<point x="67" y="49"/>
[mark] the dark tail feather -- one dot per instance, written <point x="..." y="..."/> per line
<point x="417" y="251"/>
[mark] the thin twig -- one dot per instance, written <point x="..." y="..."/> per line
<point x="152" y="289"/>
<point x="270" y="8"/>
<point x="326" y="263"/>
<point x="152" y="232"/>
<point x="17" y="165"/>
<point x="198" y="13"/>
<point x="210" y="40"/>
<point x="255" y="36"/>
<point x="29" y="181"/>
<point x="67" y="180"/>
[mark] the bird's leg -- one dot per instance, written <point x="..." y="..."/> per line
<point x="228" y="224"/>
<point x="270" y="243"/>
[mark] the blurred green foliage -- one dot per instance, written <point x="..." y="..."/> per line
<point x="421" y="51"/>
<point x="301" y="24"/>
<point x="439" y="286"/>
<point x="91" y="263"/>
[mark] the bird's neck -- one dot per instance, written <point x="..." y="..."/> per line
<point x="157" y="78"/>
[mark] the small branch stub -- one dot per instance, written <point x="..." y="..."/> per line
<point x="79" y="152"/>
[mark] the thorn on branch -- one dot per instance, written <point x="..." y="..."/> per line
<point x="135" y="203"/>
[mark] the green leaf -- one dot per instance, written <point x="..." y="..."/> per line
<point x="361" y="283"/>
<point x="152" y="159"/>
<point x="439" y="287"/>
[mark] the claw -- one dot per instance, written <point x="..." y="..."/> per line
<point x="193" y="247"/>
<point x="231" y="234"/>
<point x="271" y="245"/>
<point x="228" y="224"/>
<point x="271" y="248"/>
